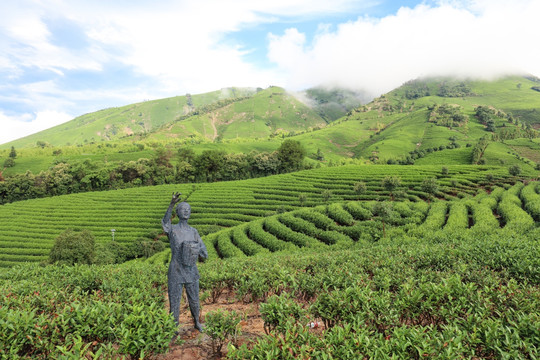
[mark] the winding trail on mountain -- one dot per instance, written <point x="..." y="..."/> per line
<point x="213" y="121"/>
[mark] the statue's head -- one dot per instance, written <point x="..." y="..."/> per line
<point x="183" y="210"/>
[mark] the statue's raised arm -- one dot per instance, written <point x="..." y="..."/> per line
<point x="175" y="197"/>
<point x="166" y="221"/>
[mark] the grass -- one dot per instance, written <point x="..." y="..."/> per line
<point x="267" y="112"/>
<point x="527" y="148"/>
<point x="501" y="154"/>
<point x="447" y="157"/>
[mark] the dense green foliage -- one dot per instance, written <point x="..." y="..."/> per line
<point x="73" y="247"/>
<point x="443" y="294"/>
<point x="209" y="166"/>
<point x="127" y="121"/>
<point x="222" y="326"/>
<point x="67" y="312"/>
<point x="438" y="297"/>
<point x="387" y="129"/>
<point x="339" y="225"/>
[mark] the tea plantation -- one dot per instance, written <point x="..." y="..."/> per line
<point x="446" y="280"/>
<point x="28" y="228"/>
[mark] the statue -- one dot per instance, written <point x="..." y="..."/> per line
<point x="186" y="248"/>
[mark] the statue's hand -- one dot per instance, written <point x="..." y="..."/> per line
<point x="175" y="197"/>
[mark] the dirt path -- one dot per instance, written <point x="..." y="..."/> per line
<point x="213" y="121"/>
<point x="194" y="345"/>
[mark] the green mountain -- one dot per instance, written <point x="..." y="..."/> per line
<point x="426" y="114"/>
<point x="225" y="114"/>
<point x="334" y="103"/>
<point x="425" y="121"/>
<point x="140" y="118"/>
<point x="268" y="112"/>
<point x="406" y="261"/>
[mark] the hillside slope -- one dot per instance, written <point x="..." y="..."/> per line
<point x="269" y="112"/>
<point x="432" y="121"/>
<point x="419" y="116"/>
<point x="224" y="114"/>
<point x="117" y="122"/>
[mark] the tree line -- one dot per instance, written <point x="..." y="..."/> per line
<point x="209" y="166"/>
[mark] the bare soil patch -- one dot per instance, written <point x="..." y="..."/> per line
<point x="195" y="345"/>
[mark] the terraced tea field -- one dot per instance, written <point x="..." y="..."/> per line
<point x="343" y="224"/>
<point x="28" y="228"/>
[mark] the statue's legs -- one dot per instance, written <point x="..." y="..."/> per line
<point x="192" y="291"/>
<point x="175" y="294"/>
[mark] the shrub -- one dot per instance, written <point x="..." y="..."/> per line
<point x="357" y="211"/>
<point x="341" y="216"/>
<point x="514" y="170"/>
<point x="109" y="253"/>
<point x="142" y="247"/>
<point x="302" y="199"/>
<point x="430" y="186"/>
<point x="221" y="326"/>
<point x="390" y="184"/>
<point x="326" y="195"/>
<point x="278" y="311"/>
<point x="359" y="187"/>
<point x="9" y="163"/>
<point x="73" y="247"/>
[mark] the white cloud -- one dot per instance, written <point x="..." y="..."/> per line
<point x="180" y="46"/>
<point x="14" y="127"/>
<point x="26" y="42"/>
<point x="482" y="39"/>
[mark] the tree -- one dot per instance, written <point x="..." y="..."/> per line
<point x="291" y="155"/>
<point x="73" y="247"/>
<point x="9" y="163"/>
<point x="326" y="195"/>
<point x="359" y="187"/>
<point x="235" y="167"/>
<point x="185" y="154"/>
<point x="13" y="153"/>
<point x="209" y="164"/>
<point x="264" y="163"/>
<point x="162" y="157"/>
<point x="302" y="198"/>
<point x="41" y="144"/>
<point x="390" y="184"/>
<point x="490" y="125"/>
<point x="319" y="155"/>
<point x="384" y="210"/>
<point x="430" y="186"/>
<point x="514" y="170"/>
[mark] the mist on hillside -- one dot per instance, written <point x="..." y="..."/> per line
<point x="332" y="102"/>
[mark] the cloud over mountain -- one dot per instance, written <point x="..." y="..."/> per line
<point x="481" y="39"/>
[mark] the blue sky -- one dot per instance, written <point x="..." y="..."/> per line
<point x="60" y="59"/>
